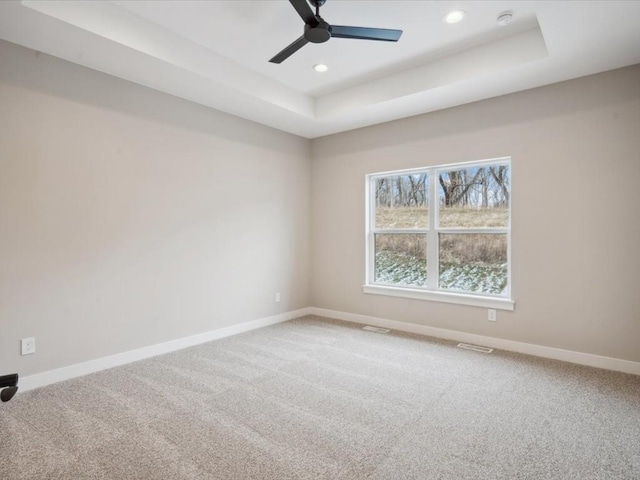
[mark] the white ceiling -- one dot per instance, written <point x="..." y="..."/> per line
<point x="216" y="52"/>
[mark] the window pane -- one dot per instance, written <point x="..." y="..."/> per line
<point x="401" y="259"/>
<point x="473" y="263"/>
<point x="401" y="202"/>
<point x="474" y="197"/>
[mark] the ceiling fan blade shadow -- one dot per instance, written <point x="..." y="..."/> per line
<point x="363" y="33"/>
<point x="305" y="12"/>
<point x="290" y="50"/>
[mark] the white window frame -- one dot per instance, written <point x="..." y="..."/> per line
<point x="431" y="291"/>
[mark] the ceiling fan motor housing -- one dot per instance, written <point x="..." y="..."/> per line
<point x="319" y="33"/>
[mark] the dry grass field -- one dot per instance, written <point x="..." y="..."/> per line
<point x="450" y="217"/>
<point x="468" y="262"/>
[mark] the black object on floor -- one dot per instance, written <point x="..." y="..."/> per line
<point x="8" y="386"/>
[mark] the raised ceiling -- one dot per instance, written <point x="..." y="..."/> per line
<point x="216" y="52"/>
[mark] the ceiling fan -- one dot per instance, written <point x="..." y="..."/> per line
<point x="316" y="30"/>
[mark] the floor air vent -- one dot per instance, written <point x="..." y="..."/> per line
<point x="376" y="329"/>
<point x="475" y="348"/>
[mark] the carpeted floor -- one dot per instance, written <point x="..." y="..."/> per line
<point x="318" y="399"/>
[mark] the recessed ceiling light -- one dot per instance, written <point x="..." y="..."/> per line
<point x="504" y="18"/>
<point x="320" y="67"/>
<point x="454" y="17"/>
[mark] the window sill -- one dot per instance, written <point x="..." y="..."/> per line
<point x="447" y="297"/>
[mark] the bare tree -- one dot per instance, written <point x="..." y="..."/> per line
<point x="456" y="186"/>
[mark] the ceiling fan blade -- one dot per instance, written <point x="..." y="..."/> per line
<point x="290" y="50"/>
<point x="362" y="33"/>
<point x="305" y="12"/>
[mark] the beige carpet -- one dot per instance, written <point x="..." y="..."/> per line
<point x="318" y="399"/>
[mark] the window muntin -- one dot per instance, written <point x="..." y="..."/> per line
<point x="460" y="246"/>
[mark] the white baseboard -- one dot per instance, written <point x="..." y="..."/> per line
<point x="588" y="359"/>
<point x="79" y="369"/>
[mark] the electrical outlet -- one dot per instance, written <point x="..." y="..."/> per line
<point x="491" y="315"/>
<point x="28" y="345"/>
<point x="277" y="297"/>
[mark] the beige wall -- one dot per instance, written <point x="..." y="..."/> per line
<point x="121" y="225"/>
<point x="575" y="149"/>
<point x="129" y="217"/>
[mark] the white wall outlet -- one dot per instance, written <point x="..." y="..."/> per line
<point x="28" y="345"/>
<point x="277" y="297"/>
<point x="491" y="315"/>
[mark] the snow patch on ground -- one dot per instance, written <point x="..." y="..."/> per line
<point x="406" y="270"/>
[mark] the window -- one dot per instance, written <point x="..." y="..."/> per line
<point x="441" y="233"/>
